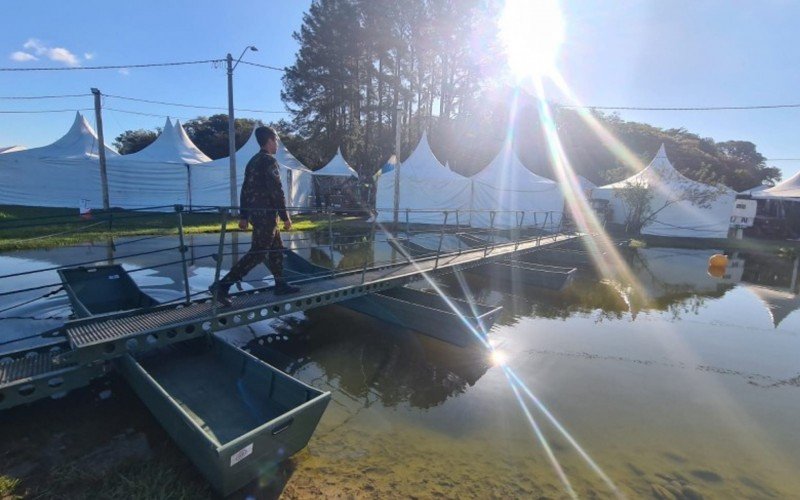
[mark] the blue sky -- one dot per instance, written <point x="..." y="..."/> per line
<point x="672" y="53"/>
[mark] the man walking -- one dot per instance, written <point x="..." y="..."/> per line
<point x="261" y="202"/>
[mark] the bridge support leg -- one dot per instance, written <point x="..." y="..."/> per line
<point x="491" y="231"/>
<point x="182" y="249"/>
<point x="366" y="253"/>
<point x="220" y="254"/>
<point x="441" y="237"/>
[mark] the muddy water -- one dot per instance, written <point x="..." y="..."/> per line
<point x="676" y="384"/>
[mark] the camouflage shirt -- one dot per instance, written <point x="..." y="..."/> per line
<point x="262" y="193"/>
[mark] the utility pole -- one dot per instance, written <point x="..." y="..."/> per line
<point x="231" y="136"/>
<point x="101" y="148"/>
<point x="396" y="166"/>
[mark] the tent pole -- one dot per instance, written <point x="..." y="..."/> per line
<point x="101" y="148"/>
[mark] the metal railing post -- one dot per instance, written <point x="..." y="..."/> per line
<point x="458" y="230"/>
<point x="366" y="259"/>
<point x="538" y="236"/>
<point x="519" y="231"/>
<point x="182" y="250"/>
<point x="220" y="254"/>
<point x="491" y="230"/>
<point x="408" y="226"/>
<point x="544" y="224"/>
<point x="330" y="239"/>
<point x="441" y="238"/>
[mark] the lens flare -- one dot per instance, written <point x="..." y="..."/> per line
<point x="499" y="358"/>
<point x="532" y="33"/>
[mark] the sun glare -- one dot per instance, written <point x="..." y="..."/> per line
<point x="532" y="33"/>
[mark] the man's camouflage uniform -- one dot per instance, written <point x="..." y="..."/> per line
<point x="261" y="202"/>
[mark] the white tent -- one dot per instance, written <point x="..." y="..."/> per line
<point x="779" y="303"/>
<point x="425" y="184"/>
<point x="11" y="149"/>
<point x="211" y="180"/>
<point x="685" y="208"/>
<point x="337" y="167"/>
<point x="586" y="185"/>
<point x="754" y="191"/>
<point x="296" y="176"/>
<point x="158" y="175"/>
<point x="510" y="189"/>
<point x="786" y="190"/>
<point x="60" y="174"/>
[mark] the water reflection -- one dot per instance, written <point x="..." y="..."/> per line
<point x="671" y="383"/>
<point x="370" y="360"/>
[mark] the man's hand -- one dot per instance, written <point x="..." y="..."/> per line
<point x="243" y="224"/>
<point x="287" y="225"/>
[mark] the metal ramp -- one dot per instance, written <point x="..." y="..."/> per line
<point x="90" y="342"/>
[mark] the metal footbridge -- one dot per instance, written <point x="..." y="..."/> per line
<point x="79" y="351"/>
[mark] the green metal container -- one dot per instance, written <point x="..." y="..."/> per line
<point x="232" y="414"/>
<point x="102" y="289"/>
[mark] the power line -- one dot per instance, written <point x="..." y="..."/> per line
<point x="7" y="112"/>
<point x="289" y="71"/>
<point x="708" y="108"/>
<point x="32" y="97"/>
<point x="145" y="114"/>
<point x="194" y="106"/>
<point x="266" y="66"/>
<point x="116" y="66"/>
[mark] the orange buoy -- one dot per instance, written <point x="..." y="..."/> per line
<point x="718" y="260"/>
<point x="716" y="272"/>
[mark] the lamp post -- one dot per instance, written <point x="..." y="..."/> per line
<point x="231" y="126"/>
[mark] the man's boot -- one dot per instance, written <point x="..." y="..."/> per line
<point x="219" y="292"/>
<point x="282" y="287"/>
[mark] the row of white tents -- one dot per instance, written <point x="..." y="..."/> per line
<point x="172" y="170"/>
<point x="683" y="207"/>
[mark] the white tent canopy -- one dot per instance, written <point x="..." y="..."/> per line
<point x="426" y="185"/>
<point x="755" y="190"/>
<point x="211" y="180"/>
<point x="779" y="303"/>
<point x="296" y="176"/>
<point x="337" y="167"/>
<point x="786" y="190"/>
<point x="507" y="187"/>
<point x="158" y="175"/>
<point x="171" y="146"/>
<point x="70" y="166"/>
<point x="11" y="149"/>
<point x="586" y="185"/>
<point x="685" y="208"/>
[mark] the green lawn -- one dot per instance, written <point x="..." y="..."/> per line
<point x="24" y="228"/>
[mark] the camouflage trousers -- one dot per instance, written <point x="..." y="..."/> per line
<point x="266" y="246"/>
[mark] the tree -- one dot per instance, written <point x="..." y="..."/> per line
<point x="643" y="201"/>
<point x="210" y="134"/>
<point x="132" y="141"/>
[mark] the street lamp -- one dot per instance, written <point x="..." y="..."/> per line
<point x="231" y="125"/>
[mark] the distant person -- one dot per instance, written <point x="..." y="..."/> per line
<point x="261" y="202"/>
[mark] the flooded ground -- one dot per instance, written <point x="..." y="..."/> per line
<point x="675" y="384"/>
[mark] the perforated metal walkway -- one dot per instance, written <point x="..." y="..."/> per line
<point x="92" y="341"/>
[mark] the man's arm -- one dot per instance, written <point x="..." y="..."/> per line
<point x="245" y="196"/>
<point x="277" y="196"/>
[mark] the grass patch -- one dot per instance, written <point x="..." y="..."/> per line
<point x="134" y="480"/>
<point x="25" y="228"/>
<point x="8" y="485"/>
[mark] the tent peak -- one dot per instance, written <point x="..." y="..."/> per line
<point x="662" y="152"/>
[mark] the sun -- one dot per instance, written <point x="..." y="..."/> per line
<point x="531" y="32"/>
